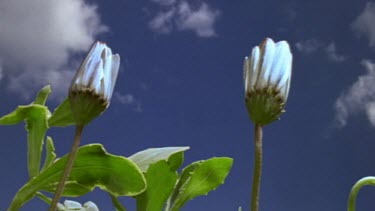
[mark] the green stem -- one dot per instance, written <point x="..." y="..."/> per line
<point x="257" y="171"/>
<point x="68" y="167"/>
<point x="116" y="203"/>
<point x="355" y="189"/>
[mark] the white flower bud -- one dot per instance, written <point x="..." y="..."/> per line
<point x="92" y="87"/>
<point x="267" y="75"/>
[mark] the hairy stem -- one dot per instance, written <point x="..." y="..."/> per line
<point x="257" y="171"/>
<point x="68" y="167"/>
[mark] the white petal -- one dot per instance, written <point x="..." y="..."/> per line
<point x="254" y="67"/>
<point x="107" y="64"/>
<point x="98" y="79"/>
<point x="282" y="64"/>
<point x="90" y="206"/>
<point x="72" y="204"/>
<point x="89" y="67"/>
<point x="267" y="56"/>
<point x="114" y="72"/>
<point x="60" y="207"/>
<point x="246" y="73"/>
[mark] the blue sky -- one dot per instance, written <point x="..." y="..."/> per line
<point x="180" y="84"/>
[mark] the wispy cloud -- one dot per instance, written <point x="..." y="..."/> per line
<point x="182" y="16"/>
<point x="311" y="46"/>
<point x="360" y="97"/>
<point x="364" y="23"/>
<point x="38" y="39"/>
<point x="332" y="53"/>
<point x="128" y="99"/>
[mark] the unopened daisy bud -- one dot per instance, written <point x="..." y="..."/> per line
<point x="267" y="75"/>
<point x="91" y="89"/>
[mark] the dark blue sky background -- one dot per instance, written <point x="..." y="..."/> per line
<point x="181" y="84"/>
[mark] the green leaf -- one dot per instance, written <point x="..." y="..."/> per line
<point x="42" y="95"/>
<point x="173" y="155"/>
<point x="198" y="179"/>
<point x="35" y="116"/>
<point x="160" y="183"/>
<point x="62" y="116"/>
<point x="93" y="167"/>
<point x="50" y="153"/>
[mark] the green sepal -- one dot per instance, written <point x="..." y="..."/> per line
<point x="264" y="106"/>
<point x="86" y="106"/>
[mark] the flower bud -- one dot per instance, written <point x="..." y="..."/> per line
<point x="91" y="89"/>
<point x="267" y="75"/>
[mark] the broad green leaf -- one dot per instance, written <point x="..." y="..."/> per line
<point x="42" y="95"/>
<point x="183" y="178"/>
<point x="35" y="116"/>
<point x="160" y="183"/>
<point x="173" y="155"/>
<point x="93" y="167"/>
<point x="199" y="178"/>
<point x="62" y="116"/>
<point x="50" y="153"/>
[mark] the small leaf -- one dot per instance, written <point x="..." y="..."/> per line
<point x="35" y="116"/>
<point x="93" y="167"/>
<point x="160" y="182"/>
<point x="50" y="153"/>
<point x="42" y="95"/>
<point x="20" y="114"/>
<point x="198" y="179"/>
<point x="174" y="156"/>
<point x="62" y="116"/>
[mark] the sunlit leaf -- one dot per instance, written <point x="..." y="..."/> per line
<point x="198" y="179"/>
<point x="93" y="167"/>
<point x="160" y="182"/>
<point x="173" y="155"/>
<point x="62" y="116"/>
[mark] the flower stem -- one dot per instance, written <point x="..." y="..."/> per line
<point x="68" y="167"/>
<point x="257" y="171"/>
<point x="355" y="189"/>
<point x="116" y="203"/>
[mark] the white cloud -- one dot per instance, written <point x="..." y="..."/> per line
<point x="364" y="23"/>
<point x="182" y="16"/>
<point x="163" y="22"/>
<point x="38" y="38"/>
<point x="128" y="99"/>
<point x="314" y="45"/>
<point x="308" y="46"/>
<point x="360" y="97"/>
<point x="201" y="20"/>
<point x="332" y="53"/>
